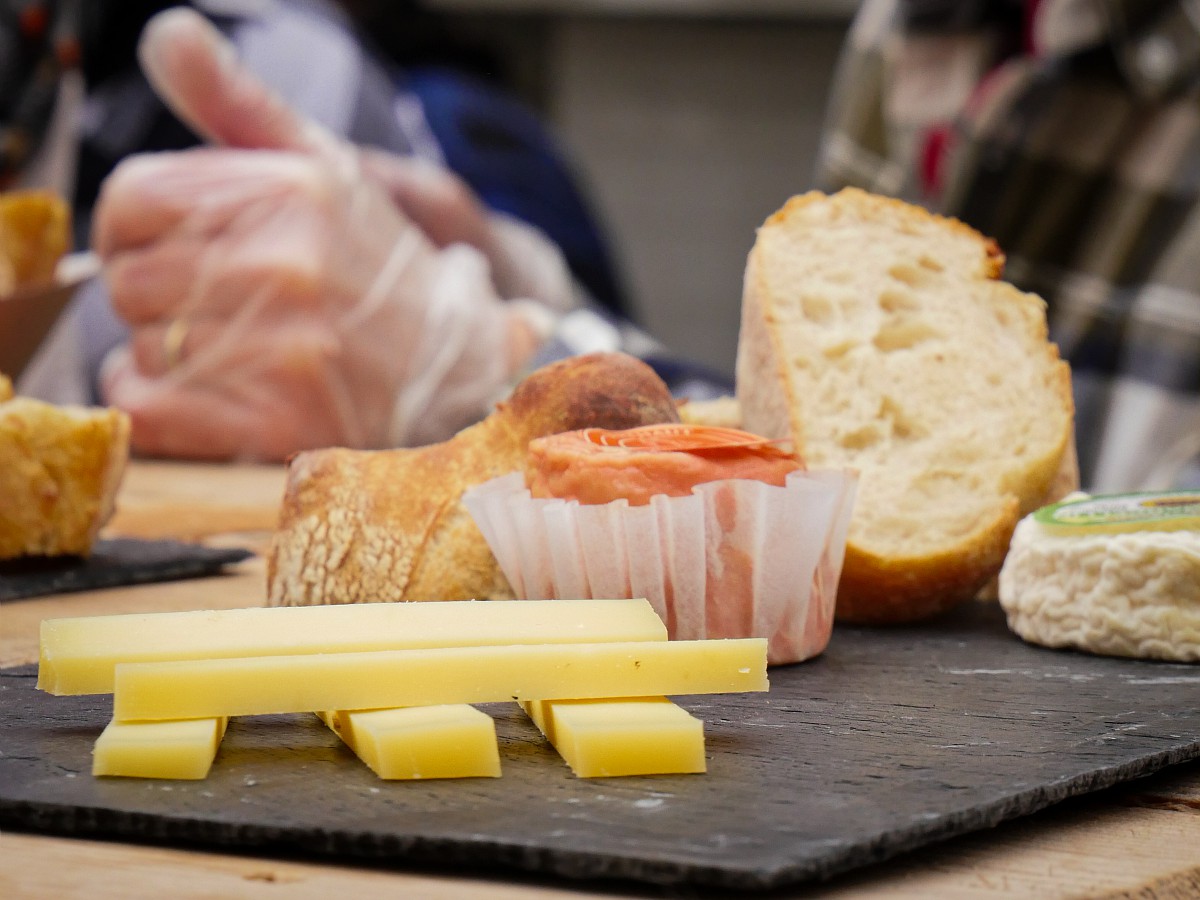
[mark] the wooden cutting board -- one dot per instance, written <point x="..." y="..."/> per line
<point x="892" y="740"/>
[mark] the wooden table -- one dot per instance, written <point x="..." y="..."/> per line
<point x="1140" y="840"/>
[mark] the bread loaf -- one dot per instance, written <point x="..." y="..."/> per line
<point x="60" y="468"/>
<point x="876" y="336"/>
<point x="390" y="525"/>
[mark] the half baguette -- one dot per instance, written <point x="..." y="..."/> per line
<point x="876" y="335"/>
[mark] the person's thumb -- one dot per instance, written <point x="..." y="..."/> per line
<point x="195" y="70"/>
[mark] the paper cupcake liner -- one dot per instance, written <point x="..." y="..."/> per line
<point x="736" y="558"/>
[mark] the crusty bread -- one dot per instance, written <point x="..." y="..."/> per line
<point x="35" y="232"/>
<point x="877" y="337"/>
<point x="390" y="525"/>
<point x="60" y="468"/>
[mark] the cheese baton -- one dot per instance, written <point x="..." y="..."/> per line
<point x="181" y="749"/>
<point x="634" y="736"/>
<point x="78" y="655"/>
<point x="449" y="741"/>
<point x="389" y="678"/>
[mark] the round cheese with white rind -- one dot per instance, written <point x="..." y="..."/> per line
<point x="1092" y="579"/>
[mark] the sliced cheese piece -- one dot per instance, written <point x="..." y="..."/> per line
<point x="78" y="655"/>
<point x="182" y="749"/>
<point x="416" y="742"/>
<point x="390" y="678"/>
<point x="634" y="736"/>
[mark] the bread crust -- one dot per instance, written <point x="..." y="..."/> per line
<point x="930" y="576"/>
<point x="358" y="526"/>
<point x="903" y="215"/>
<point x="879" y="590"/>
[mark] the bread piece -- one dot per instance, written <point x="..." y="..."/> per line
<point x="35" y="233"/>
<point x="723" y="412"/>
<point x="877" y="336"/>
<point x="390" y="525"/>
<point x="60" y="468"/>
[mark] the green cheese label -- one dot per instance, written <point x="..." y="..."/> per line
<point x="1156" y="511"/>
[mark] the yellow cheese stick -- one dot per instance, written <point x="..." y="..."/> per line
<point x="171" y="749"/>
<point x="78" y="655"/>
<point x="634" y="736"/>
<point x="390" y="678"/>
<point x="448" y="741"/>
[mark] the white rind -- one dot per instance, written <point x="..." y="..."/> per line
<point x="1133" y="594"/>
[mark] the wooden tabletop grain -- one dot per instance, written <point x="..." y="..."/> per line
<point x="1140" y="840"/>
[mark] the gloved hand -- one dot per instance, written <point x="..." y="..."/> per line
<point x="288" y="291"/>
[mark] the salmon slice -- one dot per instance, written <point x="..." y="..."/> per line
<point x="596" y="466"/>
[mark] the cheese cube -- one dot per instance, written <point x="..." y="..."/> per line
<point x="390" y="678"/>
<point x="169" y="749"/>
<point x="78" y="655"/>
<point x="635" y="736"/>
<point x="447" y="741"/>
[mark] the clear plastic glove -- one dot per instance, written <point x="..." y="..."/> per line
<point x="286" y="291"/>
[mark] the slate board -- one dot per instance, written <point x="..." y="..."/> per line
<point x="892" y="740"/>
<point x="114" y="563"/>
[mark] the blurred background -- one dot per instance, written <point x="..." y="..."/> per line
<point x="689" y="121"/>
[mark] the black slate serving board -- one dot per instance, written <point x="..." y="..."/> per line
<point x="891" y="740"/>
<point x="114" y="563"/>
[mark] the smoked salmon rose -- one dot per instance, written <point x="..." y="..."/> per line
<point x="726" y="533"/>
